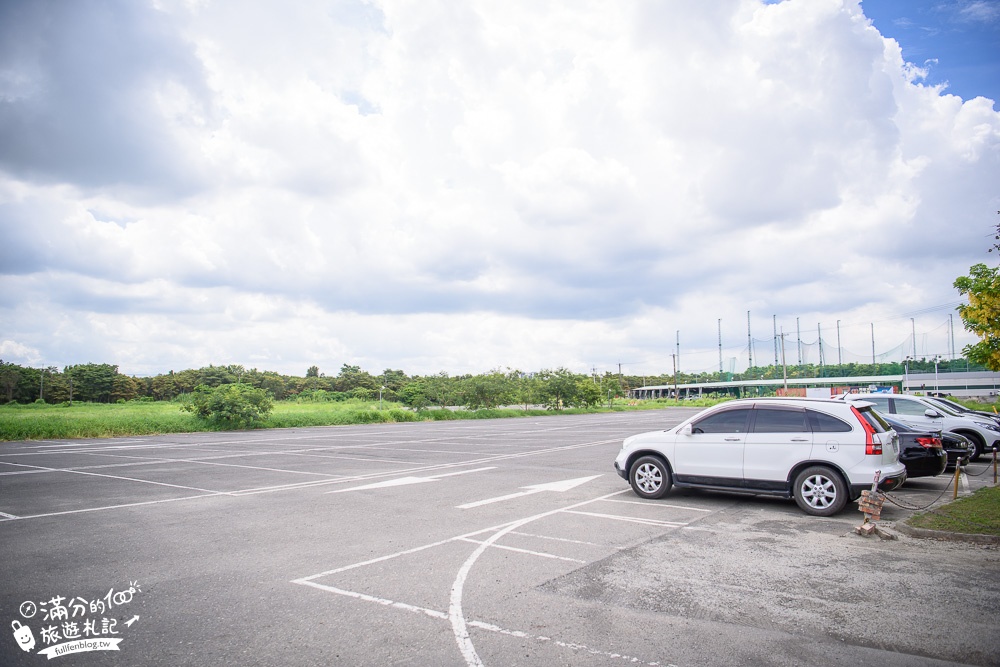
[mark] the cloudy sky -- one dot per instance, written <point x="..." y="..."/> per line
<point x="459" y="186"/>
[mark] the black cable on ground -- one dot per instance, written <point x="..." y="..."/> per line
<point x="899" y="503"/>
<point x="906" y="506"/>
<point x="985" y="470"/>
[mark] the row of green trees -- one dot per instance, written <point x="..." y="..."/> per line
<point x="103" y="383"/>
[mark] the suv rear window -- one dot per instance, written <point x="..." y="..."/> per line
<point x="869" y="415"/>
<point x="824" y="423"/>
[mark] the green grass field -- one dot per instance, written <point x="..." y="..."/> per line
<point x="38" y="421"/>
<point x="978" y="514"/>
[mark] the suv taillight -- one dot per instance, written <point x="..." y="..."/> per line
<point x="929" y="442"/>
<point x="871" y="447"/>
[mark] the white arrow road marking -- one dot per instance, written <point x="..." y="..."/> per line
<point x="403" y="481"/>
<point x="561" y="487"/>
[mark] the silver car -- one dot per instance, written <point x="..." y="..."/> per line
<point x="821" y="452"/>
<point x="919" y="412"/>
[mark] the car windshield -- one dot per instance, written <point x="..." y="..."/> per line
<point x="959" y="410"/>
<point x="942" y="408"/>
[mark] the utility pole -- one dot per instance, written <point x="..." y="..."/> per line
<point x="951" y="329"/>
<point x="784" y="368"/>
<point x="840" y="357"/>
<point x="873" y="343"/>
<point x="749" y="342"/>
<point x="676" y="395"/>
<point x="819" y="336"/>
<point x="774" y="321"/>
<point x="677" y="361"/>
<point x="913" y="329"/>
<point x="720" y="349"/>
<point x="798" y="338"/>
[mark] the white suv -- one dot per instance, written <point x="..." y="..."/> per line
<point x="919" y="412"/>
<point x="821" y="452"/>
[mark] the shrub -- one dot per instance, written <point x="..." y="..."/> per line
<point x="231" y="405"/>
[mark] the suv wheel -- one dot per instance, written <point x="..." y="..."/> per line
<point x="820" y="491"/>
<point x="649" y="477"/>
<point x="976" y="446"/>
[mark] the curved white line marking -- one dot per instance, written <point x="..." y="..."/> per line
<point x="455" y="613"/>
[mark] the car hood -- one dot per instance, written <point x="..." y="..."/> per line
<point x="634" y="440"/>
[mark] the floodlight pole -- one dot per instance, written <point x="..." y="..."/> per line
<point x="784" y="368"/>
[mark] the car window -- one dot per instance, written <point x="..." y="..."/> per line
<point x="914" y="408"/>
<point x="727" y="421"/>
<point x="945" y="410"/>
<point x="873" y="418"/>
<point x="881" y="402"/>
<point x="780" y="421"/>
<point x="824" y="423"/>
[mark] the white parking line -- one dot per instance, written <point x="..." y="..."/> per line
<point x="479" y="625"/>
<point x="557" y="539"/>
<point x="657" y="504"/>
<point x="631" y="519"/>
<point x="127" y="479"/>
<point x="540" y="554"/>
<point x="404" y="481"/>
<point x="455" y="615"/>
<point x="206" y="493"/>
<point x="114" y="507"/>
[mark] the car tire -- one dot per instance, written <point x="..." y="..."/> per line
<point x="820" y="491"/>
<point x="650" y="477"/>
<point x="976" y="447"/>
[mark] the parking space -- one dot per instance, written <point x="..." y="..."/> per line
<point x="459" y="543"/>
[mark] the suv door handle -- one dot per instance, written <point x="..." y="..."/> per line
<point x="800" y="439"/>
<point x="733" y="439"/>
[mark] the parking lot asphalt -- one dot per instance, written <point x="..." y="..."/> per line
<point x="494" y="542"/>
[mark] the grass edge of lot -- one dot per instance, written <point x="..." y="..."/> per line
<point x="977" y="514"/>
<point x="143" y="418"/>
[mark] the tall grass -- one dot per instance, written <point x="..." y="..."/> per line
<point x="37" y="421"/>
<point x="94" y="420"/>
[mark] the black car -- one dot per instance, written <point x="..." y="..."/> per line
<point x="921" y="452"/>
<point x="957" y="447"/>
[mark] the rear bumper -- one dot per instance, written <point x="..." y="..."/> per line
<point x="929" y="463"/>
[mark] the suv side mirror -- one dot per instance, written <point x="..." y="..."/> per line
<point x="933" y="414"/>
<point x="687" y="430"/>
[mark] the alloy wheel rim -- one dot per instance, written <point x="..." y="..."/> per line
<point x="819" y="491"/>
<point x="648" y="477"/>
